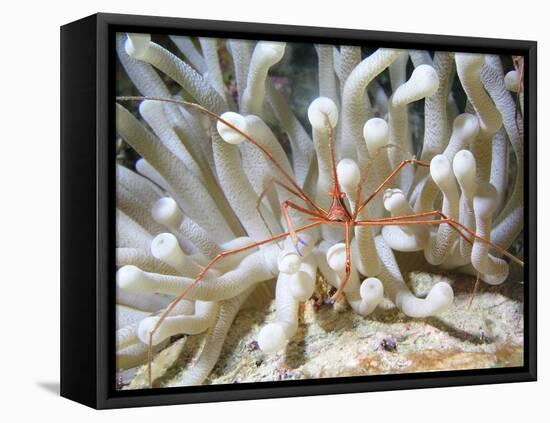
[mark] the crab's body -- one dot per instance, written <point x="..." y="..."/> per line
<point x="338" y="211"/>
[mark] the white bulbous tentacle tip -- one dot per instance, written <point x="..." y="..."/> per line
<point x="440" y="169"/>
<point x="394" y="199"/>
<point x="165" y="247"/>
<point x="321" y="111"/>
<point x="167" y="212"/>
<point x="145" y="327"/>
<point x="336" y="257"/>
<point x="148" y="106"/>
<point x="464" y="168"/>
<point x="136" y="45"/>
<point x="289" y="262"/>
<point x="272" y="338"/>
<point x="511" y="81"/>
<point x="441" y="297"/>
<point x="496" y="279"/>
<point x="301" y="285"/>
<point x="376" y="134"/>
<point x="229" y="134"/>
<point x="467" y="125"/>
<point x="425" y="79"/>
<point x="485" y="200"/>
<point x="372" y="289"/>
<point x="348" y="174"/>
<point x="131" y="279"/>
<point x="271" y="50"/>
<point x="372" y="294"/>
<point x="141" y="165"/>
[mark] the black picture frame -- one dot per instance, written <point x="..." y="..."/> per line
<point x="87" y="211"/>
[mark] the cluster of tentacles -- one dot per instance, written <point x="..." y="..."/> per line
<point x="195" y="188"/>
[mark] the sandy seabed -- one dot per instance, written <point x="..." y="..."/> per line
<point x="481" y="330"/>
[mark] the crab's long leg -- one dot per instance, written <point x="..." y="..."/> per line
<point x="462" y="230"/>
<point x="272" y="181"/>
<point x="201" y="275"/>
<point x="247" y="137"/>
<point x="293" y="232"/>
<point x="348" y="263"/>
<point x="386" y="181"/>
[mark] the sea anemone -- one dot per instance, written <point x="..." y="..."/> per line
<point x="189" y="188"/>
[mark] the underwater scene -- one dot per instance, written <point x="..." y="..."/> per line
<point x="291" y="211"/>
